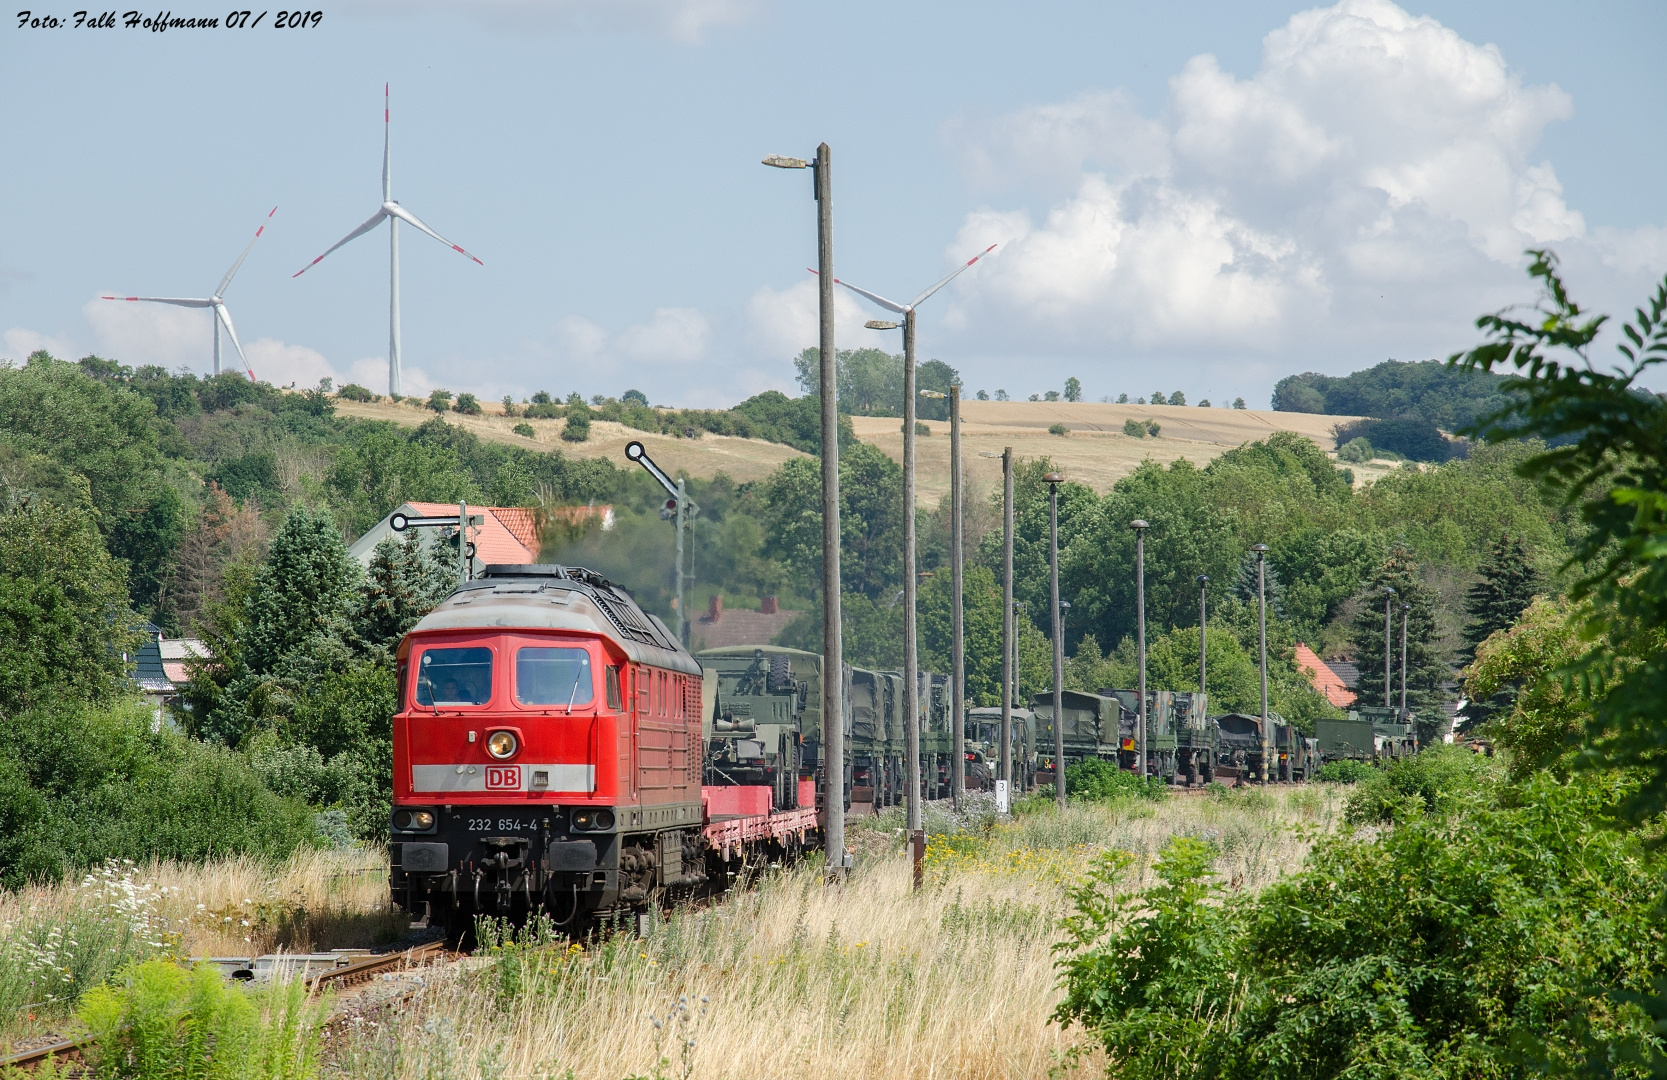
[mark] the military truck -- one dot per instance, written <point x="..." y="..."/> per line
<point x="761" y="718"/>
<point x="984" y="736"/>
<point x="1093" y="724"/>
<point x="1393" y="731"/>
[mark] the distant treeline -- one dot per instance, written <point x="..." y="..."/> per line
<point x="1409" y="405"/>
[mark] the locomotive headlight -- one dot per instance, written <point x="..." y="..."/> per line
<point x="502" y="744"/>
<point x="406" y="820"/>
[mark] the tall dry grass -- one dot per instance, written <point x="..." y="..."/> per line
<point x="57" y="942"/>
<point x="792" y="979"/>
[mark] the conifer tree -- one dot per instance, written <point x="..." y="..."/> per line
<point x="1244" y="586"/>
<point x="404" y="583"/>
<point x="1508" y="585"/>
<point x="1426" y="670"/>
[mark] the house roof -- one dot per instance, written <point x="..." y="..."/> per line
<point x="1323" y="678"/>
<point x="506" y="534"/>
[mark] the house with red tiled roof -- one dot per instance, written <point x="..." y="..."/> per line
<point x="1325" y="680"/>
<point x="503" y="534"/>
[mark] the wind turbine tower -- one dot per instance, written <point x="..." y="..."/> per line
<point x="395" y="214"/>
<point x="218" y="305"/>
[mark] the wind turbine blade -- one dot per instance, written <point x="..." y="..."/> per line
<point x="177" y="301"/>
<point x="387" y="149"/>
<point x="227" y="280"/>
<point x="889" y="305"/>
<point x="226" y="317"/>
<point x="951" y="276"/>
<point x="375" y="220"/>
<point x="411" y="219"/>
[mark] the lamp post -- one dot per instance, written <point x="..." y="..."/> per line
<point x="911" y="661"/>
<point x="958" y="638"/>
<point x="1405" y="611"/>
<point x="1053" y="480"/>
<point x="1140" y="526"/>
<point x="1261" y="551"/>
<point x="1203" y="653"/>
<point x="1009" y="648"/>
<point x="833" y="652"/>
<point x="1388" y="641"/>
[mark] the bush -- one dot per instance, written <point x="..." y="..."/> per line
<point x="1435" y="782"/>
<point x="439" y="400"/>
<point x="81" y="785"/>
<point x="1357" y="450"/>
<point x="1447" y="948"/>
<point x="161" y="1019"/>
<point x="510" y="408"/>
<point x="1152" y="428"/>
<point x="920" y="428"/>
<point x="1159" y="399"/>
<point x="1093" y="780"/>
<point x="467" y="404"/>
<point x="354" y="392"/>
<point x="1058" y="429"/>
<point x="525" y="430"/>
<point x="1346" y="771"/>
<point x="1134" y="429"/>
<point x="577" y="428"/>
<point x="1409" y="437"/>
<point x="1177" y="398"/>
<point x="543" y="410"/>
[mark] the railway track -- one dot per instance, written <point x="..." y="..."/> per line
<point x="346" y="977"/>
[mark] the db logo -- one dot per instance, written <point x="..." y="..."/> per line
<point x="503" y="778"/>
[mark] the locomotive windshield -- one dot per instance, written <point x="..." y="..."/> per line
<point x="455" y="677"/>
<point x="553" y="677"/>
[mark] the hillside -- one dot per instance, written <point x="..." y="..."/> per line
<point x="741" y="459"/>
<point x="1095" y="452"/>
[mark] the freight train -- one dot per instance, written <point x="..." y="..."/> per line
<point x="556" y="748"/>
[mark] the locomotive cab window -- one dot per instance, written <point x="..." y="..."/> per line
<point x="614" y="701"/>
<point x="554" y="676"/>
<point x="454" y="677"/>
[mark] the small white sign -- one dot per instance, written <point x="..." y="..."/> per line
<point x="1001" y="796"/>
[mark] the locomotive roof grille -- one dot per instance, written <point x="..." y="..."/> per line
<point x="610" y="599"/>
<point x="625" y="620"/>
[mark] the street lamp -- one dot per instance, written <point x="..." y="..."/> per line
<point x="1388" y="604"/>
<point x="833" y="652"/>
<point x="911" y="655"/>
<point x="1009" y="650"/>
<point x="1406" y="609"/>
<point x="1053" y="480"/>
<point x="1203" y="653"/>
<point x="1261" y="551"/>
<point x="1140" y="526"/>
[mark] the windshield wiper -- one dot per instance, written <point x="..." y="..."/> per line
<point x="574" y="695"/>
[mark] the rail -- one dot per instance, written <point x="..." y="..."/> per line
<point x="360" y="971"/>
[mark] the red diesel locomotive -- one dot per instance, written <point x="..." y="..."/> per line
<point x="548" y="756"/>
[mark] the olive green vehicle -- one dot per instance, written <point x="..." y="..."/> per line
<point x="762" y="718"/>
<point x="984" y="738"/>
<point x="1094" y="725"/>
<point x="1393" y="731"/>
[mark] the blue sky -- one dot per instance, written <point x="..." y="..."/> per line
<point x="1203" y="197"/>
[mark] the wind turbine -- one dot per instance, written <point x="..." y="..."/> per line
<point x="395" y="214"/>
<point x="221" y="315"/>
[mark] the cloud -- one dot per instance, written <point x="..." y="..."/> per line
<point x="680" y="20"/>
<point x="1371" y="186"/>
<point x="782" y="323"/>
<point x="18" y="343"/>
<point x="671" y="336"/>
